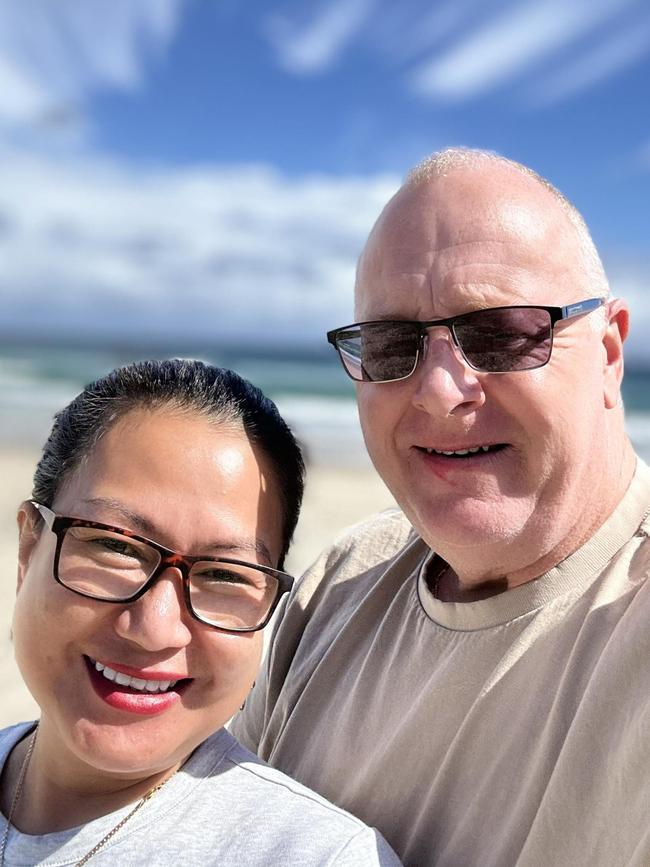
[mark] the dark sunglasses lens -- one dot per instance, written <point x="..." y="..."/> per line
<point x="379" y="351"/>
<point x="501" y="340"/>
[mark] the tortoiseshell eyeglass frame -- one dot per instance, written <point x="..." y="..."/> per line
<point x="60" y="524"/>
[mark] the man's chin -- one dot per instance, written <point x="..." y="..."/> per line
<point x="468" y="525"/>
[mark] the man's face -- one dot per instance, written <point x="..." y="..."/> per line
<point x="471" y="240"/>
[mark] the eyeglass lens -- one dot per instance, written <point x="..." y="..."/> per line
<point x="498" y="341"/>
<point x="107" y="565"/>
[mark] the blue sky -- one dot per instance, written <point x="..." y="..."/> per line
<point x="204" y="167"/>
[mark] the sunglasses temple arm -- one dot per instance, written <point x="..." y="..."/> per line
<point x="582" y="307"/>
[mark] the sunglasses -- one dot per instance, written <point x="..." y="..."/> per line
<point x="495" y="340"/>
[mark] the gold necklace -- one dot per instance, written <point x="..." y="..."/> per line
<point x="19" y="790"/>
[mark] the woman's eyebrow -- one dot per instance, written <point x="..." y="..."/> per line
<point x="134" y="520"/>
<point x="138" y="522"/>
<point x="245" y="546"/>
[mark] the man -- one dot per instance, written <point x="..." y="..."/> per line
<point x="472" y="675"/>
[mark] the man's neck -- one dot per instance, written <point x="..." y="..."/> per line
<point x="469" y="576"/>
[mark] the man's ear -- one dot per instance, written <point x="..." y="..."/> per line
<point x="30" y="525"/>
<point x="618" y="326"/>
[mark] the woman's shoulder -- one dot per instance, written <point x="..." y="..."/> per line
<point x="10" y="736"/>
<point x="223" y="752"/>
<point x="256" y="774"/>
<point x="296" y="818"/>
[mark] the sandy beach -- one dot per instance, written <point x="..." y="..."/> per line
<point x="335" y="498"/>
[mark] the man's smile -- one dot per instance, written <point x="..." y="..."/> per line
<point x="476" y="451"/>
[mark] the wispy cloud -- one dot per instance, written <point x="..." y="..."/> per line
<point x="455" y="50"/>
<point x="508" y="45"/>
<point x="105" y="248"/>
<point x="407" y="31"/>
<point x="21" y="96"/>
<point x="53" y="55"/>
<point x="313" y="46"/>
<point x="617" y="51"/>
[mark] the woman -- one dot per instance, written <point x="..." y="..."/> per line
<point x="138" y="654"/>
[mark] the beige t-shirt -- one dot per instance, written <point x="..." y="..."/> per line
<point x="510" y="731"/>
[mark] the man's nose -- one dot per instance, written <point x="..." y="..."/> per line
<point x="445" y="383"/>
<point x="159" y="619"/>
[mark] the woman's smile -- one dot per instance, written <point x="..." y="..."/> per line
<point x="134" y="694"/>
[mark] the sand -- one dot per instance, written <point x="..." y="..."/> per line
<point x="335" y="498"/>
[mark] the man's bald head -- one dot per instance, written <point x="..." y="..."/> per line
<point x="479" y="164"/>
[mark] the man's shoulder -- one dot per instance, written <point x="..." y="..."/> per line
<point x="371" y="541"/>
<point x="372" y="558"/>
<point x="358" y="557"/>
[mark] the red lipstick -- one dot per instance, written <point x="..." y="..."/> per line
<point x="130" y="699"/>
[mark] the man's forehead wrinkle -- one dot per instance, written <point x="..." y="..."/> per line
<point x="465" y="242"/>
<point x="476" y="295"/>
<point x="403" y="261"/>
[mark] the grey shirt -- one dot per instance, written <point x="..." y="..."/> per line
<point x="223" y="807"/>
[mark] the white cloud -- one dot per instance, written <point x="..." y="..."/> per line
<point x="508" y="45"/>
<point x="315" y="46"/>
<point x="105" y="248"/>
<point x="615" y="53"/>
<point x="53" y="55"/>
<point x="21" y="97"/>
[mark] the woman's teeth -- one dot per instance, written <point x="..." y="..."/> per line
<point x="134" y="682"/>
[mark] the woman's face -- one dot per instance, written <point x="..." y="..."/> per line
<point x="196" y="487"/>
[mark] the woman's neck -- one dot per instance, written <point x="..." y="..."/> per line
<point x="53" y="798"/>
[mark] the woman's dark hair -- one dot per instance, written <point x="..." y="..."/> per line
<point x="192" y="386"/>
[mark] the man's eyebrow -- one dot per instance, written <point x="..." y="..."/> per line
<point x="138" y="522"/>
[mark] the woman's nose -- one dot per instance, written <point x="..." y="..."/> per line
<point x="159" y="619"/>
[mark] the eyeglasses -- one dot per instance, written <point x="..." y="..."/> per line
<point x="495" y="340"/>
<point x="111" y="564"/>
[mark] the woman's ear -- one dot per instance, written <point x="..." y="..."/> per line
<point x="30" y="525"/>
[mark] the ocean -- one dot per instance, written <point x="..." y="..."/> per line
<point x="312" y="392"/>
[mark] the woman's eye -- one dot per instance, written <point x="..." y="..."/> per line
<point x="222" y="576"/>
<point x="114" y="546"/>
